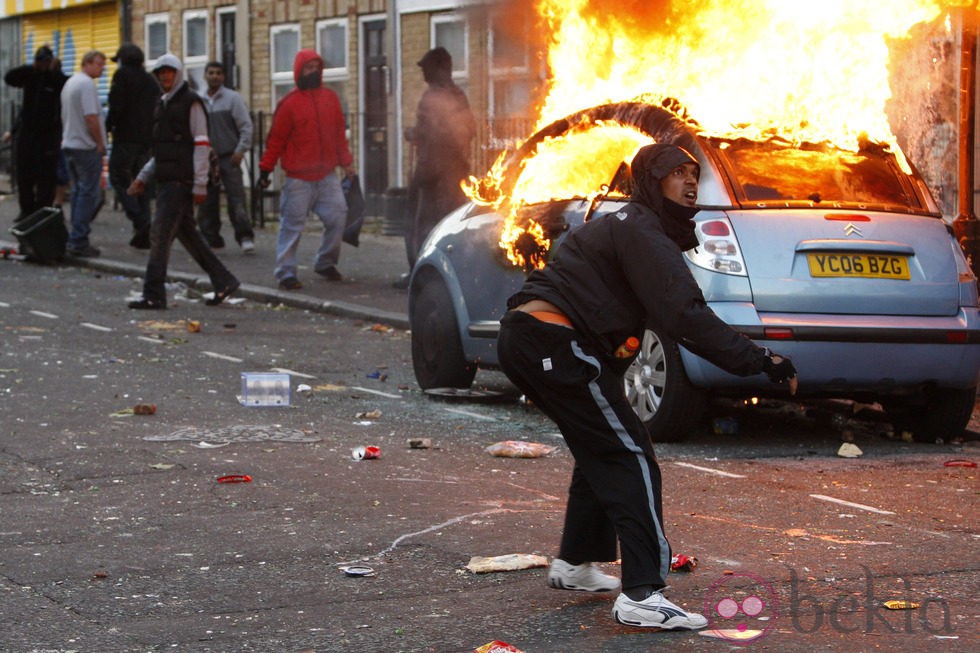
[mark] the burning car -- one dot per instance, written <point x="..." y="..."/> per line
<point x="839" y="259"/>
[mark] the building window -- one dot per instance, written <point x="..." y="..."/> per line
<point x="510" y="88"/>
<point x="331" y="43"/>
<point x="450" y="32"/>
<point x="195" y="48"/>
<point x="157" y="37"/>
<point x="283" y="44"/>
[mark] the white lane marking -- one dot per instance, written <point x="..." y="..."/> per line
<point x="467" y="413"/>
<point x="709" y="470"/>
<point x="213" y="354"/>
<point x="51" y="316"/>
<point x="96" y="327"/>
<point x="859" y="506"/>
<point x="374" y="392"/>
<point x="283" y="370"/>
<point x="155" y="341"/>
<point x="5" y="305"/>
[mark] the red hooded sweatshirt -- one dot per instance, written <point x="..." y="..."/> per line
<point x="308" y="131"/>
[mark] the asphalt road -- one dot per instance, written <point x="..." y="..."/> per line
<point x="115" y="534"/>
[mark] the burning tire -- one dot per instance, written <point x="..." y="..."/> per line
<point x="660" y="392"/>
<point x="437" y="352"/>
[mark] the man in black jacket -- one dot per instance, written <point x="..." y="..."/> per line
<point x="442" y="135"/>
<point x="180" y="167"/>
<point x="611" y="279"/>
<point x="132" y="97"/>
<point x="37" y="144"/>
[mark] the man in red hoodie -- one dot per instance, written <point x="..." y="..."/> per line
<point x="308" y="136"/>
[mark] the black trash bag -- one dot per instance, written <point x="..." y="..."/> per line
<point x="355" y="209"/>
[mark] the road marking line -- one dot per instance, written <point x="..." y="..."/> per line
<point x="859" y="506"/>
<point x="283" y="370"/>
<point x="213" y="354"/>
<point x="709" y="470"/>
<point x="43" y="314"/>
<point x="375" y="392"/>
<point x="459" y="411"/>
<point x="4" y="305"/>
<point x="155" y="341"/>
<point x="96" y="327"/>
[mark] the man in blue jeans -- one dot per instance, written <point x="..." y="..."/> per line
<point x="84" y="143"/>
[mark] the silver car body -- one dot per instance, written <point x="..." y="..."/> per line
<point x="849" y="337"/>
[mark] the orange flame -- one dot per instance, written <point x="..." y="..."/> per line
<point x="807" y="71"/>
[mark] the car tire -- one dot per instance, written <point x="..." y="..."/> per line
<point x="942" y="415"/>
<point x="437" y="351"/>
<point x="660" y="392"/>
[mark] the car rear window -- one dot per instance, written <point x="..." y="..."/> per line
<point x="774" y="172"/>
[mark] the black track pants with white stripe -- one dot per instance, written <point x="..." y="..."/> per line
<point x="616" y="485"/>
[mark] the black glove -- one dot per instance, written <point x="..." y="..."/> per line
<point x="778" y="372"/>
<point x="264" y="180"/>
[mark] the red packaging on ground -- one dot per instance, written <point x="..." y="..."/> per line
<point x="497" y="647"/>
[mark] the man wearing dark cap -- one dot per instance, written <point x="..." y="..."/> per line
<point x="38" y="138"/>
<point x="443" y="131"/>
<point x="609" y="281"/>
<point x="132" y="97"/>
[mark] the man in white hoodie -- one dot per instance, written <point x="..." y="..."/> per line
<point x="180" y="166"/>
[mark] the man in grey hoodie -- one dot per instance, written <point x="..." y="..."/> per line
<point x="231" y="137"/>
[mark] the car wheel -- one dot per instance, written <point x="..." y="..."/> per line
<point x="437" y="351"/>
<point x="660" y="392"/>
<point x="942" y="415"/>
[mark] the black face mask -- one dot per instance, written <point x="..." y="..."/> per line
<point x="679" y="224"/>
<point x="308" y="81"/>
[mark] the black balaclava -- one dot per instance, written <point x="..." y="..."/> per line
<point x="437" y="67"/>
<point x="651" y="164"/>
<point x="308" y="81"/>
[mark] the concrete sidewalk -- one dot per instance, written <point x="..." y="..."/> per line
<point x="369" y="270"/>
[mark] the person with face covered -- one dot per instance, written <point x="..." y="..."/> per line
<point x="179" y="165"/>
<point x="442" y="135"/>
<point x="37" y="146"/>
<point x="609" y="280"/>
<point x="308" y="136"/>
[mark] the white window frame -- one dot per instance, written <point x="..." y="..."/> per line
<point x="503" y="74"/>
<point x="196" y="61"/>
<point x="152" y="20"/>
<point x="279" y="78"/>
<point x="461" y="69"/>
<point x="337" y="73"/>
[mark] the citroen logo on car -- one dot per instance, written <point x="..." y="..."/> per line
<point x="851" y="230"/>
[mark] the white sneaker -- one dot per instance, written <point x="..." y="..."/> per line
<point x="583" y="577"/>
<point x="655" y="611"/>
<point x="248" y="246"/>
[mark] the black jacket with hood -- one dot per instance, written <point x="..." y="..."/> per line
<point x="623" y="272"/>
<point x="133" y="96"/>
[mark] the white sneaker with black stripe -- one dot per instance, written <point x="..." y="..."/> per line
<point x="583" y="577"/>
<point x="655" y="611"/>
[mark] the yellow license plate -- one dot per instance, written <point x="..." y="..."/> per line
<point x="868" y="266"/>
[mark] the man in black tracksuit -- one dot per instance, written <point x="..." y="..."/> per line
<point x="133" y="96"/>
<point x="611" y="279"/>
<point x="37" y="144"/>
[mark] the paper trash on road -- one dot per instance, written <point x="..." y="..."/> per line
<point x="519" y="449"/>
<point x="849" y="450"/>
<point x="509" y="562"/>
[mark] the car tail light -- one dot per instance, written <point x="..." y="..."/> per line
<point x="718" y="250"/>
